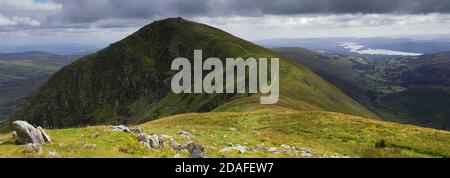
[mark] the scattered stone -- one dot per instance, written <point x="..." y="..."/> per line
<point x="304" y="154"/>
<point x="272" y="149"/>
<point x="137" y="130"/>
<point x="333" y="156"/>
<point x="177" y="156"/>
<point x="185" y="145"/>
<point x="286" y="147"/>
<point x="185" y="135"/>
<point x="62" y="144"/>
<point x="26" y="133"/>
<point x="175" y="145"/>
<point x="53" y="154"/>
<point x="121" y="128"/>
<point x="241" y="149"/>
<point x="34" y="149"/>
<point x="306" y="150"/>
<point x="226" y="150"/>
<point x="45" y="136"/>
<point x="232" y="129"/>
<point x="90" y="146"/>
<point x="260" y="146"/>
<point x="211" y="147"/>
<point x="230" y="144"/>
<point x="196" y="150"/>
<point x="153" y="141"/>
<point x="143" y="138"/>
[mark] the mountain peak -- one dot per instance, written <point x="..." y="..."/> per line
<point x="175" y="22"/>
<point x="130" y="81"/>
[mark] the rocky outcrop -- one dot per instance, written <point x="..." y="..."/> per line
<point x="196" y="150"/>
<point x="175" y="145"/>
<point x="241" y="149"/>
<point x="45" y="136"/>
<point x="185" y="135"/>
<point x="153" y="141"/>
<point x="121" y="128"/>
<point x="35" y="149"/>
<point x="25" y="133"/>
<point x="158" y="141"/>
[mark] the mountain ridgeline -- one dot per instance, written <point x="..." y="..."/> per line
<point x="129" y="81"/>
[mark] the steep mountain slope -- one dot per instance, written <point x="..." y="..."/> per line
<point x="129" y="81"/>
<point x="403" y="89"/>
<point x="425" y="70"/>
<point x="22" y="73"/>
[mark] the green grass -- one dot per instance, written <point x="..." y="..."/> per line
<point x="322" y="132"/>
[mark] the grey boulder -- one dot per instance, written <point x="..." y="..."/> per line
<point x="25" y="133"/>
<point x="196" y="150"/>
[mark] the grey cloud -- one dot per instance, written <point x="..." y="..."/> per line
<point x="109" y="14"/>
<point x="93" y="10"/>
<point x="84" y="13"/>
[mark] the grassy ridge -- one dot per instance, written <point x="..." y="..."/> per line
<point x="322" y="132"/>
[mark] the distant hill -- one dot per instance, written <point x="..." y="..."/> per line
<point x="22" y="73"/>
<point x="58" y="49"/>
<point x="334" y="45"/>
<point x="129" y="81"/>
<point x="403" y="89"/>
<point x="426" y="70"/>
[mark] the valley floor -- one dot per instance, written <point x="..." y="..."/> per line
<point x="308" y="134"/>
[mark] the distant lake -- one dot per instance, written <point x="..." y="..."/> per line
<point x="360" y="49"/>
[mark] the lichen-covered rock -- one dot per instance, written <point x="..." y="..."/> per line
<point x="260" y="146"/>
<point x="153" y="141"/>
<point x="26" y="133"/>
<point x="45" y="136"/>
<point x="196" y="150"/>
<point x="137" y="130"/>
<point x="33" y="148"/>
<point x="121" y="128"/>
<point x="175" y="145"/>
<point x="143" y="138"/>
<point x="53" y="154"/>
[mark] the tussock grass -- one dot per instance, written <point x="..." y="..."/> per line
<point x="322" y="132"/>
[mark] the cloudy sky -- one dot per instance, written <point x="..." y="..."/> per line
<point x="106" y="21"/>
